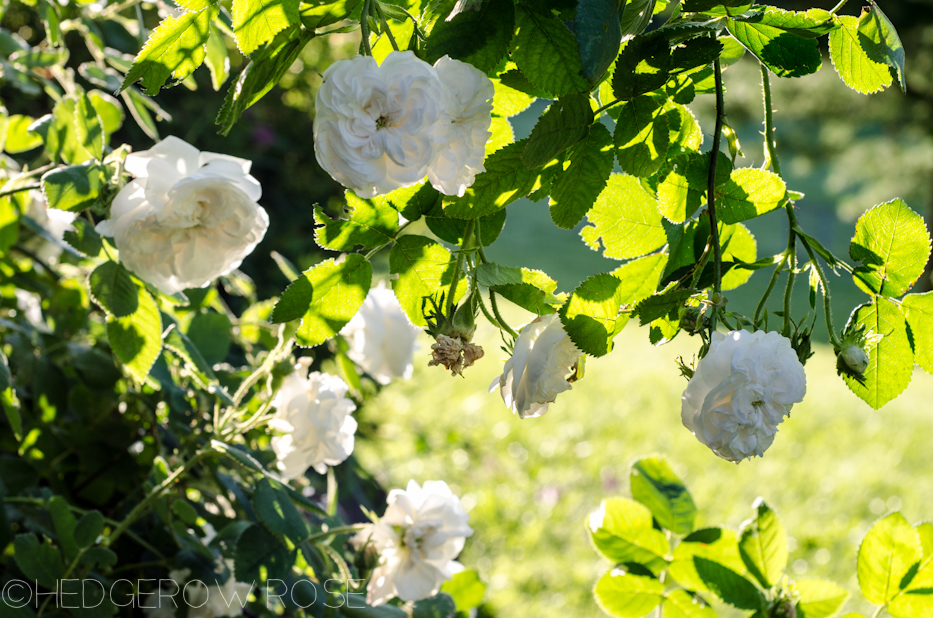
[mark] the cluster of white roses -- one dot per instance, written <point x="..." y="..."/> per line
<point x="187" y="218"/>
<point x="418" y="539"/>
<point x="378" y="128"/>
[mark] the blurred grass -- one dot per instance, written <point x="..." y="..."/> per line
<point x="834" y="468"/>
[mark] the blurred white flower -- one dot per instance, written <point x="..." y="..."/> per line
<point x="30" y="306"/>
<point x="470" y="95"/>
<point x="741" y="391"/>
<point x="382" y="341"/>
<point x="54" y="221"/>
<point x="187" y="218"/>
<point x="422" y="532"/>
<point x="378" y="127"/>
<point x="856" y="358"/>
<point x="542" y="359"/>
<point x="216" y="601"/>
<point x="163" y="602"/>
<point x="313" y="412"/>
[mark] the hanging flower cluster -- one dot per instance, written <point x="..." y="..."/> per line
<point x="542" y="359"/>
<point x="741" y="391"/>
<point x="381" y="338"/>
<point x="378" y="128"/>
<point x="422" y="532"/>
<point x="313" y="412"/>
<point x="187" y="218"/>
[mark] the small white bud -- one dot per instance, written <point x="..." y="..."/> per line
<point x="856" y="358"/>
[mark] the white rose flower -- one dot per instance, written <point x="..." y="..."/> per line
<point x="856" y="358"/>
<point x="188" y="217"/>
<point x="377" y="128"/>
<point x="542" y="359"/>
<point x="314" y="413"/>
<point x="422" y="532"/>
<point x="54" y="221"/>
<point x="382" y="340"/>
<point x="29" y="305"/>
<point x="163" y="602"/>
<point x="470" y="95"/>
<point x="741" y="391"/>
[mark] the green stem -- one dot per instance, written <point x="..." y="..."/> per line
<point x="364" y="28"/>
<point x="266" y="367"/>
<point x="770" y="153"/>
<point x="335" y="531"/>
<point x="495" y="310"/>
<point x="331" y="491"/>
<point x="879" y="611"/>
<point x="606" y="106"/>
<point x="711" y="197"/>
<point x="19" y="190"/>
<point x="385" y="25"/>
<point x="151" y="497"/>
<point x="836" y="8"/>
<point x="774" y="277"/>
<point x="458" y="266"/>
<point x="827" y="302"/>
<point x="68" y="571"/>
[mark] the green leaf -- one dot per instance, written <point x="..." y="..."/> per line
<point x="686" y="135"/>
<point x="655" y="485"/>
<point x="626" y="218"/>
<point x="598" y="33"/>
<point x="98" y="556"/>
<point x="505" y="180"/>
<point x="136" y="340"/>
<point x="694" y="54"/>
<point x="452" y="230"/>
<point x="785" y="54"/>
<point x="880" y="41"/>
<point x="584" y="176"/>
<point x="18" y="137"/>
<point x="64" y="523"/>
<point x="682" y="186"/>
<point x="88" y="528"/>
<point x="749" y="193"/>
<point x="714" y="544"/>
<point x="490" y="274"/>
<point x="563" y="124"/>
<point x="738" y="245"/>
<point x="890" y="360"/>
<point x="893" y="245"/>
<point x="466" y="589"/>
<point x="174" y="49"/>
<point x="264" y="70"/>
<point x="180" y="345"/>
<point x="819" y="598"/>
<point x="508" y="101"/>
<point x="763" y="545"/>
<point x="728" y="585"/>
<point x="424" y="268"/>
<point x="320" y="13"/>
<point x="887" y="553"/>
<point x="919" y="311"/>
<point x="438" y="606"/>
<point x="810" y="24"/>
<point x="210" y="333"/>
<point x="72" y="188"/>
<point x="627" y="596"/>
<point x="113" y="289"/>
<point x="89" y="127"/>
<point x="367" y="223"/>
<point x="621" y="531"/>
<point x="547" y="52"/>
<point x="682" y="604"/>
<point x="856" y="69"/>
<point x="275" y="509"/>
<point x="41" y="563"/>
<point x="217" y="59"/>
<point x="256" y="22"/>
<point x="636" y="15"/>
<point x="480" y="37"/>
<point x="325" y="297"/>
<point x="912" y="603"/>
<point x="642" y="136"/>
<point x="84" y="238"/>
<point x="643" y="66"/>
<point x="257" y="548"/>
<point x="535" y="293"/>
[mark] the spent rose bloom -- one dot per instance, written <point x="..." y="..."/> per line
<point x="741" y="391"/>
<point x="470" y="95"/>
<point x="54" y="221"/>
<point x="423" y="530"/>
<point x="187" y="218"/>
<point x="313" y="412"/>
<point x="542" y="359"/>
<point x="382" y="341"/>
<point x="377" y="128"/>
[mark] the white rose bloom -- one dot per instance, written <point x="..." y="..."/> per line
<point x="164" y="602"/>
<point x="382" y="340"/>
<point x="542" y="359"/>
<point x="422" y="532"/>
<point x="741" y="391"/>
<point x="314" y="413"/>
<point x="54" y="221"/>
<point x="188" y="217"/>
<point x="470" y="95"/>
<point x="377" y="128"/>
<point x="30" y="306"/>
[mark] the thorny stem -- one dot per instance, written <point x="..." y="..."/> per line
<point x="458" y="266"/>
<point x="498" y="321"/>
<point x="495" y="310"/>
<point x="385" y="26"/>
<point x="364" y="28"/>
<point x="774" y="277"/>
<point x="711" y="197"/>
<point x="827" y="302"/>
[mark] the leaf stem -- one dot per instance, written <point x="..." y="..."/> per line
<point x="331" y="491"/>
<point x="385" y="25"/>
<point x="458" y="266"/>
<point x="827" y="302"/>
<point x="836" y="8"/>
<point x="879" y="611"/>
<point x="774" y="277"/>
<point x="19" y="190"/>
<point x="335" y="531"/>
<point x="364" y="28"/>
<point x="711" y="197"/>
<point x="495" y="310"/>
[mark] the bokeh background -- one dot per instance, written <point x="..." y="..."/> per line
<point x="836" y="464"/>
